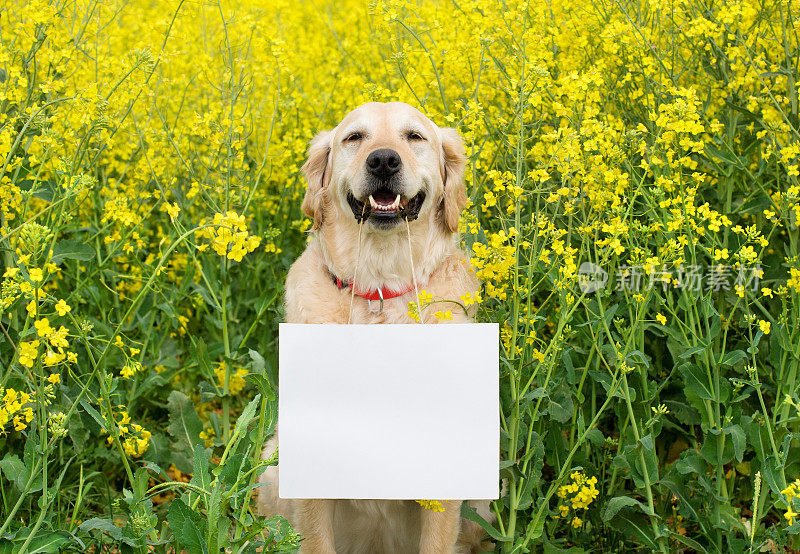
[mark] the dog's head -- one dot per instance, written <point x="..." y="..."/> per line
<point x="385" y="163"/>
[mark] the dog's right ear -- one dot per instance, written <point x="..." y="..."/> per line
<point x="318" y="174"/>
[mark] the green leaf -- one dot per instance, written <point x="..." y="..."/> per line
<point x="636" y="526"/>
<point x="689" y="352"/>
<point x="533" y="479"/>
<point x="258" y="361"/>
<point x="678" y="488"/>
<point x="772" y="475"/>
<point x="262" y="384"/>
<point x="732" y="358"/>
<point x="72" y="250"/>
<point x="30" y="456"/>
<point x="184" y="425"/>
<point x="47" y="542"/>
<point x="569" y="366"/>
<point x="504" y="464"/>
<point x="550" y="548"/>
<point x="711" y="453"/>
<point x="177" y="514"/>
<point x="614" y="505"/>
<point x="468" y="512"/>
<point x="184" y="525"/>
<point x="738" y="438"/>
<point x="595" y="436"/>
<point x="278" y="532"/>
<point x="607" y="383"/>
<point x="247" y="416"/>
<point x="192" y="539"/>
<point x="728" y="159"/>
<point x="691" y="543"/>
<point x="99" y="419"/>
<point x="696" y="381"/>
<point x="758" y="436"/>
<point x="538" y="392"/>
<point x="140" y="479"/>
<point x="201" y="476"/>
<point x="229" y="472"/>
<point x="14" y="470"/>
<point x="201" y="353"/>
<point x="686" y="414"/>
<point x="219" y="499"/>
<point x="168" y="309"/>
<point x="101" y="524"/>
<point x="560" y="406"/>
<point x="78" y="433"/>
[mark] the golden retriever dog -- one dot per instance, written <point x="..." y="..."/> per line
<point x="385" y="189"/>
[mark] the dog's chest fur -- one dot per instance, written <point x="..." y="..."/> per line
<point x="311" y="296"/>
<point x="376" y="526"/>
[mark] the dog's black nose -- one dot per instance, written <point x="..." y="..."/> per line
<point x="384" y="163"/>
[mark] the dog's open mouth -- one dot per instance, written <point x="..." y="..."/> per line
<point x="383" y="205"/>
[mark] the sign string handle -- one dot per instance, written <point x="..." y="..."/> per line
<point x="358" y="257"/>
<point x="413" y="272"/>
<point x="355" y="271"/>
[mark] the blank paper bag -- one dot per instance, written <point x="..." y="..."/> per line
<point x="389" y="411"/>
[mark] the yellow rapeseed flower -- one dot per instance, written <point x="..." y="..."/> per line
<point x="43" y="328"/>
<point x="791" y="492"/>
<point x="443" y="315"/>
<point x="28" y="351"/>
<point x="15" y="408"/>
<point x="229" y="237"/>
<point x="172" y="209"/>
<point x="236" y="377"/>
<point x="432" y="505"/>
<point x="577" y="494"/>
<point x="62" y="307"/>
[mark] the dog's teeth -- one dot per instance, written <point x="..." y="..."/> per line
<point x="384" y="207"/>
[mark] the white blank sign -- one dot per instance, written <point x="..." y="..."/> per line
<point x="389" y="411"/>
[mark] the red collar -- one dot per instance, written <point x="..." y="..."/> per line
<point x="380" y="293"/>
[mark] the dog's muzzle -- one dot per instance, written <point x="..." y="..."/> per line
<point x="385" y="206"/>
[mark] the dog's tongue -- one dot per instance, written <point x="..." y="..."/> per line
<point x="384" y="197"/>
<point x="383" y="201"/>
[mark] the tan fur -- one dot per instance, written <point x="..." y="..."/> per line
<point x="453" y="161"/>
<point x="334" y="168"/>
<point x="315" y="171"/>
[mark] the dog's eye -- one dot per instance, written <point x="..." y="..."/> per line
<point x="354" y="137"/>
<point x="413" y="135"/>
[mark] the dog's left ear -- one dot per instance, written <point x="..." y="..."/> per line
<point x="452" y="164"/>
<point x="318" y="175"/>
